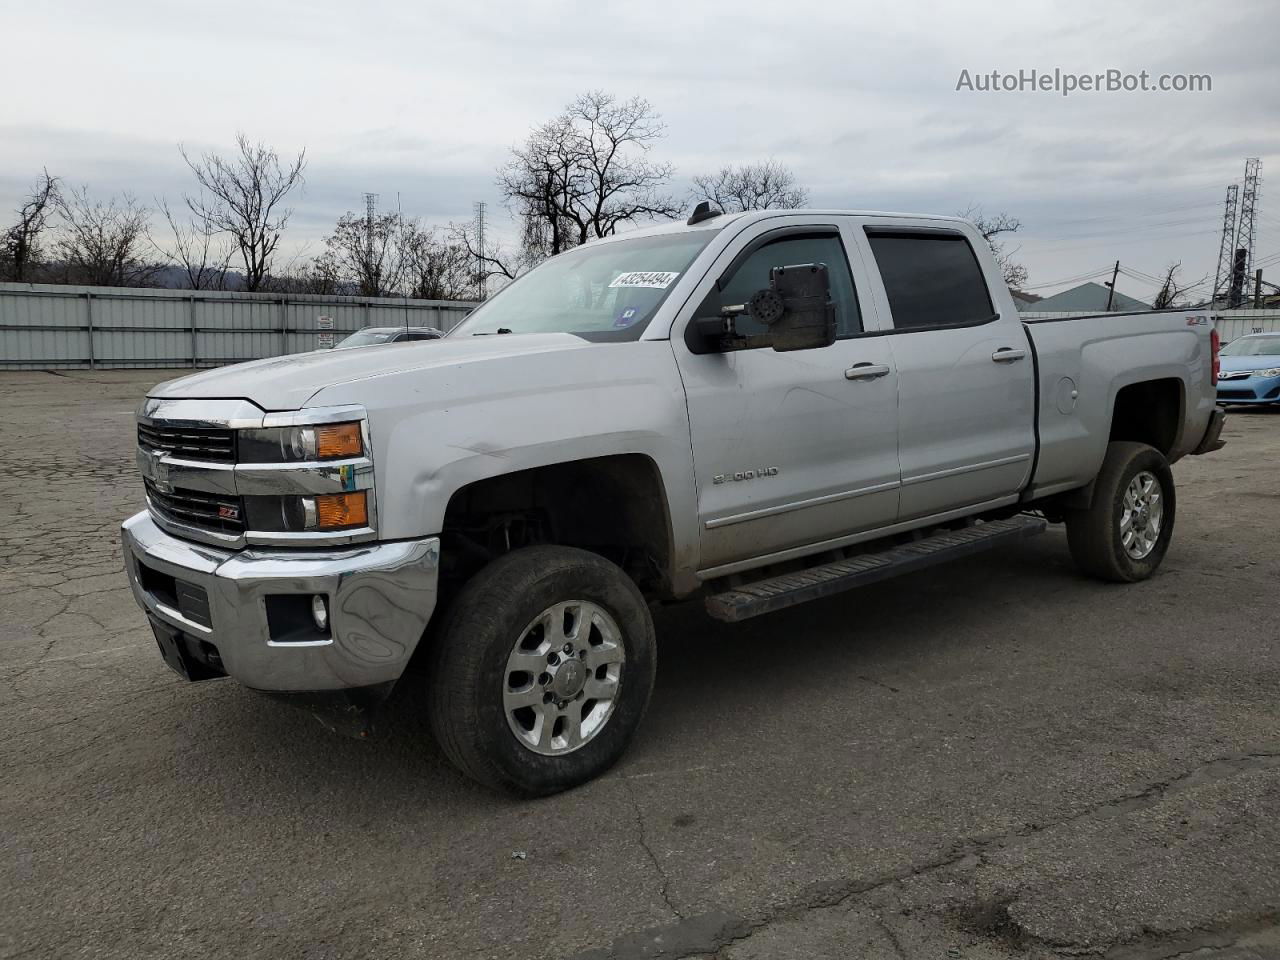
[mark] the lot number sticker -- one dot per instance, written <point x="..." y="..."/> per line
<point x="655" y="279"/>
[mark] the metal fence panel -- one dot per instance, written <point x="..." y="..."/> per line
<point x="50" y="326"/>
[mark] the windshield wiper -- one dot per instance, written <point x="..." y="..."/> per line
<point x="486" y="333"/>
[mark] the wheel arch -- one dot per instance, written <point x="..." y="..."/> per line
<point x="615" y="505"/>
<point x="1150" y="411"/>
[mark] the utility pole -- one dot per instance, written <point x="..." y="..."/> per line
<point x="1111" y="287"/>
<point x="1257" y="289"/>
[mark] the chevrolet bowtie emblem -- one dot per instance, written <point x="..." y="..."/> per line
<point x="160" y="471"/>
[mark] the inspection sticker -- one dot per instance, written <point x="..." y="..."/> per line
<point x="657" y="279"/>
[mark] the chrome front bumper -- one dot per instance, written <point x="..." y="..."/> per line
<point x="380" y="598"/>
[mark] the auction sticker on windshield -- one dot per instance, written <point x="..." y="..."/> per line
<point x="656" y="279"/>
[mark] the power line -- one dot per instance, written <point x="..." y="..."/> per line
<point x="1093" y="243"/>
<point x="1131" y="216"/>
<point x="1054" y="283"/>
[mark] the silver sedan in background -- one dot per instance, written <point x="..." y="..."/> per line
<point x="371" y="335"/>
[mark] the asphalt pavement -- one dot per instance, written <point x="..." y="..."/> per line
<point x="996" y="758"/>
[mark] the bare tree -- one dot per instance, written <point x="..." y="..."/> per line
<point x="752" y="186"/>
<point x="20" y="247"/>
<point x="495" y="262"/>
<point x="197" y="249"/>
<point x="320" y="275"/>
<point x="246" y="194"/>
<point x="1172" y="293"/>
<point x="991" y="228"/>
<point x="103" y="244"/>
<point x="367" y="252"/>
<point x="438" y="269"/>
<point x="586" y="172"/>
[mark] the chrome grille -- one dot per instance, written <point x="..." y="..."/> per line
<point x="191" y="443"/>
<point x="195" y="508"/>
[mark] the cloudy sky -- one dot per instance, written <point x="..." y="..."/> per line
<point x="423" y="100"/>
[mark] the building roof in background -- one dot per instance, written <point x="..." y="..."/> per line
<point x="1087" y="296"/>
<point x="1024" y="300"/>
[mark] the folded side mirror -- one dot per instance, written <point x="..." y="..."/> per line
<point x="797" y="307"/>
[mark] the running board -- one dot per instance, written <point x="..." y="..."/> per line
<point x="777" y="593"/>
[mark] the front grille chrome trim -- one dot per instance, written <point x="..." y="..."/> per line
<point x="172" y="476"/>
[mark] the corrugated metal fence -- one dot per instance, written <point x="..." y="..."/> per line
<point x="49" y="326"/>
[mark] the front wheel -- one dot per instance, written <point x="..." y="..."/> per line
<point x="1124" y="534"/>
<point x="543" y="670"/>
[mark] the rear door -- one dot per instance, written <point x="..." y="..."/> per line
<point x="789" y="449"/>
<point x="966" y="379"/>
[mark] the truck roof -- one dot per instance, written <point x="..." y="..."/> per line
<point x="717" y="223"/>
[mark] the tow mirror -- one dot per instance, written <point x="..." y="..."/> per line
<point x="796" y="309"/>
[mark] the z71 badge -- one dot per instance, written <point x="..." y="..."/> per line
<point x="745" y="475"/>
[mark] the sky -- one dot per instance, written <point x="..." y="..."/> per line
<point x="420" y="102"/>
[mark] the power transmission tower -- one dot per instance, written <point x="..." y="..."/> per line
<point x="1226" y="249"/>
<point x="482" y="274"/>
<point x="1246" y="228"/>
<point x="371" y="211"/>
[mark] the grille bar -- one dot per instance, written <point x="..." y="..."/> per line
<point x="195" y="443"/>
<point x="197" y="509"/>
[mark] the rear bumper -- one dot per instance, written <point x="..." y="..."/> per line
<point x="1212" y="439"/>
<point x="380" y="598"/>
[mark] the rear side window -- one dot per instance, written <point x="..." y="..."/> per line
<point x="932" y="280"/>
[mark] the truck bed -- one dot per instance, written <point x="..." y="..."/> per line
<point x="1082" y="365"/>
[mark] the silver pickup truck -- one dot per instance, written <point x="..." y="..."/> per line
<point x="761" y="409"/>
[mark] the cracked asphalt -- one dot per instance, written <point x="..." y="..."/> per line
<point x="994" y="759"/>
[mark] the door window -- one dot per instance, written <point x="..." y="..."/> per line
<point x="932" y="280"/>
<point x="753" y="274"/>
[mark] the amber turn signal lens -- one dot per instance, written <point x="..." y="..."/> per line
<point x="336" y="510"/>
<point x="338" y="440"/>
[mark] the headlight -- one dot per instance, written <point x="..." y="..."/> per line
<point x="1269" y="372"/>
<point x="325" y="512"/>
<point x="330" y="441"/>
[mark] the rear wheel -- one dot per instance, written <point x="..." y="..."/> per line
<point x="543" y="670"/>
<point x="1124" y="534"/>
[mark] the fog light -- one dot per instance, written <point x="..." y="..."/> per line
<point x="320" y="613"/>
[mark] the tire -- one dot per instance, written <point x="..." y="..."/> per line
<point x="531" y="600"/>
<point x="1097" y="535"/>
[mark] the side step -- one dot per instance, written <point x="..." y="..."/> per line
<point x="777" y="593"/>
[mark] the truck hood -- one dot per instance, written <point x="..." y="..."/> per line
<point x="287" y="383"/>
<point x="1263" y="361"/>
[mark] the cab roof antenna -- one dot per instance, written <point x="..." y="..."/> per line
<point x="703" y="211"/>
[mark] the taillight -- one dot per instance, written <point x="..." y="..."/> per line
<point x="1215" y="342"/>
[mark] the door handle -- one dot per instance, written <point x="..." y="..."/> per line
<point x="867" y="371"/>
<point x="1008" y="355"/>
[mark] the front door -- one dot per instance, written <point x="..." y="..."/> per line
<point x="790" y="449"/>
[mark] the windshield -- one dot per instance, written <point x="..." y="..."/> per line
<point x="608" y="291"/>
<point x="1252" y="347"/>
<point x="363" y="338"/>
